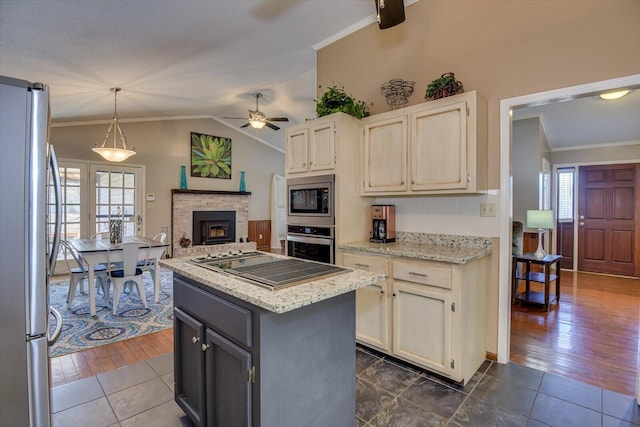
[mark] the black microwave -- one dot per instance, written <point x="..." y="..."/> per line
<point x="310" y="200"/>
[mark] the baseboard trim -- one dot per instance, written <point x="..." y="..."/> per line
<point x="492" y="356"/>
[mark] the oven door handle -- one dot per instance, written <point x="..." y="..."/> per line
<point x="306" y="239"/>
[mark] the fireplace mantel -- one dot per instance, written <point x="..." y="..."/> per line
<point x="237" y="193"/>
<point x="184" y="202"/>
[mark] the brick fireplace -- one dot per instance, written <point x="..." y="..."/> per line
<point x="220" y="203"/>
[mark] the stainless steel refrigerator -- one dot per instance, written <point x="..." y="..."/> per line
<point x="29" y="241"/>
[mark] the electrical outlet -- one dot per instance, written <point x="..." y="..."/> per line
<point x="487" y="209"/>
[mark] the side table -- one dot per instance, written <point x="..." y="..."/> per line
<point x="530" y="297"/>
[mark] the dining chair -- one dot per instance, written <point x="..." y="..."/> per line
<point x="129" y="271"/>
<point x="100" y="236"/>
<point x="149" y="265"/>
<point x="81" y="272"/>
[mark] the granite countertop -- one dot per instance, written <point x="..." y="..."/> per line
<point x="277" y="301"/>
<point x="423" y="251"/>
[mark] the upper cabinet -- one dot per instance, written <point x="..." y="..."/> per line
<point x="438" y="147"/>
<point x="311" y="148"/>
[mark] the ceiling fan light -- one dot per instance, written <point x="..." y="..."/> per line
<point x="614" y="95"/>
<point x="256" y="124"/>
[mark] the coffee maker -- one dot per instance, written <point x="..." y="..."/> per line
<point x="383" y="223"/>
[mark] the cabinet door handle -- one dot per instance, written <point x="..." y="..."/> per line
<point x="418" y="274"/>
<point x="195" y="340"/>
<point x="204" y="347"/>
<point x="362" y="265"/>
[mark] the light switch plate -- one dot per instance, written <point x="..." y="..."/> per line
<point x="487" y="209"/>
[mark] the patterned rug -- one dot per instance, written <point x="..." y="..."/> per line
<point x="80" y="331"/>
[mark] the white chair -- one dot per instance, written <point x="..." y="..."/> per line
<point x="150" y="265"/>
<point x="129" y="271"/>
<point x="100" y="236"/>
<point x="81" y="272"/>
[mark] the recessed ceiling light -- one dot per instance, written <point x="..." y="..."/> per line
<point x="614" y="95"/>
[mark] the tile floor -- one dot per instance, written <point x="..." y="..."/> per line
<point x="388" y="393"/>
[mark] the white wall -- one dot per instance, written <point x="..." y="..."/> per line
<point x="162" y="146"/>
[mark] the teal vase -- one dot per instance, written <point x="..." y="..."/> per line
<point x="243" y="185"/>
<point x="183" y="177"/>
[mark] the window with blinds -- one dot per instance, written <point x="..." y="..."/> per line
<point x="566" y="178"/>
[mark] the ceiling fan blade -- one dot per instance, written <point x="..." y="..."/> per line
<point x="245" y="125"/>
<point x="239" y="118"/>
<point x="272" y="126"/>
<point x="278" y="119"/>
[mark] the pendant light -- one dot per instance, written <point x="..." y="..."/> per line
<point x="114" y="154"/>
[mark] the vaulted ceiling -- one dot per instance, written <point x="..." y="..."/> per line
<point x="193" y="58"/>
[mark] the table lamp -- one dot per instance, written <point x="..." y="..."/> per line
<point x="542" y="220"/>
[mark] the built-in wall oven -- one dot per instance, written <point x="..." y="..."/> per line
<point x="313" y="243"/>
<point x="310" y="218"/>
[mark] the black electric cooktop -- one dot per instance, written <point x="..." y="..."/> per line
<point x="267" y="270"/>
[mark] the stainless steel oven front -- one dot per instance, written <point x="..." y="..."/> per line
<point x="310" y="200"/>
<point x="314" y="243"/>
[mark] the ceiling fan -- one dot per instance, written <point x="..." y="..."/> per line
<point x="258" y="120"/>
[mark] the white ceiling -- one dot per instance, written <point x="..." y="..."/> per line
<point x="587" y="121"/>
<point x="174" y="58"/>
<point x="205" y="58"/>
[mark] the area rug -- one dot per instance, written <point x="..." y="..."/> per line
<point x="80" y="331"/>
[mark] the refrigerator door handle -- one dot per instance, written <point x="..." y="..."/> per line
<point x="55" y="172"/>
<point x="56" y="333"/>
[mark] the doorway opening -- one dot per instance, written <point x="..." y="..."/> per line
<point x="506" y="106"/>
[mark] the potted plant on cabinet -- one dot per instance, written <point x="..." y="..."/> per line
<point x="443" y="86"/>
<point x="335" y="99"/>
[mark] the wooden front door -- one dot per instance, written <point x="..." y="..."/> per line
<point x="607" y="210"/>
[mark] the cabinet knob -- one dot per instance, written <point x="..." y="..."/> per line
<point x="394" y="294"/>
<point x="413" y="181"/>
<point x="195" y="340"/>
<point x="310" y="163"/>
<point x="204" y="347"/>
<point x="382" y="291"/>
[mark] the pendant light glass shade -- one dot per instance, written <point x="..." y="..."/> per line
<point x="113" y="153"/>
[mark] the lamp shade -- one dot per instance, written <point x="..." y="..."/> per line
<point x="540" y="219"/>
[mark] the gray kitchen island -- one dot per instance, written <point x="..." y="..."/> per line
<point x="246" y="355"/>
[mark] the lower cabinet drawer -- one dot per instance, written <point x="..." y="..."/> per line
<point x="229" y="319"/>
<point x="368" y="263"/>
<point x="423" y="273"/>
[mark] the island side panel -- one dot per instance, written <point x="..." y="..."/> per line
<point x="307" y="365"/>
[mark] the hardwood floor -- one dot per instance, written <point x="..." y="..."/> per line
<point x="94" y="361"/>
<point x="591" y="336"/>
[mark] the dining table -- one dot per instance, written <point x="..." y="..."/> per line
<point x="96" y="251"/>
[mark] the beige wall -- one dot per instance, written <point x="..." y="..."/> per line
<point x="502" y="49"/>
<point x="162" y="146"/>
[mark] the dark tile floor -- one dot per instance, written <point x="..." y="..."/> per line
<point x="388" y="393"/>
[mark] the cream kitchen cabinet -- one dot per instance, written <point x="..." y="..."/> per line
<point x="384" y="159"/>
<point x="331" y="145"/>
<point x="373" y="303"/>
<point x="437" y="147"/>
<point x="311" y="148"/>
<point x="437" y="315"/>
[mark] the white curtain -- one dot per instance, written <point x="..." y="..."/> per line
<point x="278" y="208"/>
